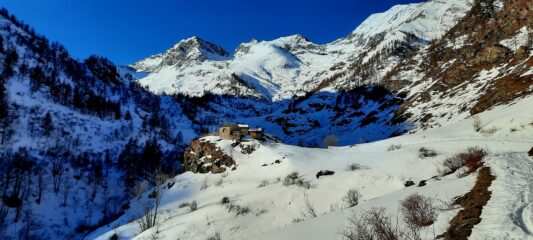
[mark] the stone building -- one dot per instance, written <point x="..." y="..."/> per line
<point x="233" y="131"/>
<point x="256" y="133"/>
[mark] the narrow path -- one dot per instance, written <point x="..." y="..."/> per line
<point x="509" y="212"/>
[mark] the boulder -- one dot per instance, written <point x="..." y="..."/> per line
<point x="422" y="183"/>
<point x="205" y="157"/>
<point x="324" y="173"/>
<point x="409" y="183"/>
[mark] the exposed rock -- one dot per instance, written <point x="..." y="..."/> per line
<point x="324" y="173"/>
<point x="247" y="149"/>
<point x="422" y="183"/>
<point x="12" y="202"/>
<point x="409" y="183"/>
<point x="530" y="153"/>
<point x="205" y="157"/>
<point x="490" y="54"/>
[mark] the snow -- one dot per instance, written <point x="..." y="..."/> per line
<point x="275" y="206"/>
<point x="511" y="203"/>
<point x="428" y="20"/>
<point x="520" y="39"/>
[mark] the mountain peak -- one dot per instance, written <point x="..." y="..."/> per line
<point x="189" y="50"/>
<point x="427" y="20"/>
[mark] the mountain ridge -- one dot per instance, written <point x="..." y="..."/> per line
<point x="269" y="67"/>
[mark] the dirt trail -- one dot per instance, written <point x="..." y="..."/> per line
<point x="511" y="203"/>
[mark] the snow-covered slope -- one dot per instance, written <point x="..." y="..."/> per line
<point x="64" y="125"/>
<point x="288" y="66"/>
<point x="278" y="211"/>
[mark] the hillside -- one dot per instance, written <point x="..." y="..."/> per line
<point x="64" y="126"/>
<point x="378" y="171"/>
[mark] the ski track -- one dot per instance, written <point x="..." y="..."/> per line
<point x="511" y="203"/>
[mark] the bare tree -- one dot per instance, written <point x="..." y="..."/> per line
<point x="57" y="172"/>
<point x="149" y="207"/>
<point x="40" y="172"/>
<point x="30" y="224"/>
<point x="66" y="188"/>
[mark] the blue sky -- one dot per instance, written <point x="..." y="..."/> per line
<point x="128" y="30"/>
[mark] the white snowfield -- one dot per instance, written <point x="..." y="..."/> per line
<point x="276" y="210"/>
<point x="292" y="65"/>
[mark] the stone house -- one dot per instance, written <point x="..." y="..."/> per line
<point x="233" y="131"/>
<point x="256" y="133"/>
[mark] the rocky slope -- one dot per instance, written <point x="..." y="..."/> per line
<point x="483" y="61"/>
<point x="205" y="157"/>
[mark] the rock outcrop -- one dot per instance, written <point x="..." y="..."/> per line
<point x="204" y="157"/>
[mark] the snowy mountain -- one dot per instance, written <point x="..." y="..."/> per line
<point x="289" y="66"/>
<point x="430" y="101"/>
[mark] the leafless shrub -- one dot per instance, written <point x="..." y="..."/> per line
<point x="219" y="182"/>
<point x="146" y="221"/>
<point x="418" y="211"/>
<point x="215" y="236"/>
<point x="204" y="185"/>
<point x="489" y="131"/>
<point x="224" y="200"/>
<point x="477" y="124"/>
<point x="237" y="209"/>
<point x="184" y="204"/>
<point x="309" y="211"/>
<point x="260" y="212"/>
<point x="352" y="197"/>
<point x="354" y="167"/>
<point x="297" y="220"/>
<point x="471" y="158"/>
<point x="263" y="183"/>
<point x="193" y="206"/>
<point x="425" y="153"/>
<point x="294" y="178"/>
<point x="393" y="147"/>
<point x="373" y="224"/>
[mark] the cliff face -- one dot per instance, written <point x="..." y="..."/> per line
<point x="204" y="157"/>
<point x="484" y="61"/>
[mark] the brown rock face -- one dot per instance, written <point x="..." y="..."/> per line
<point x="490" y="54"/>
<point x="530" y="153"/>
<point x="456" y="64"/>
<point x="205" y="157"/>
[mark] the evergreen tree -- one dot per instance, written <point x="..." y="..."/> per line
<point x="37" y="76"/>
<point x="5" y="119"/>
<point x="47" y="124"/>
<point x="9" y="62"/>
<point x="150" y="158"/>
<point x="128" y="161"/>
